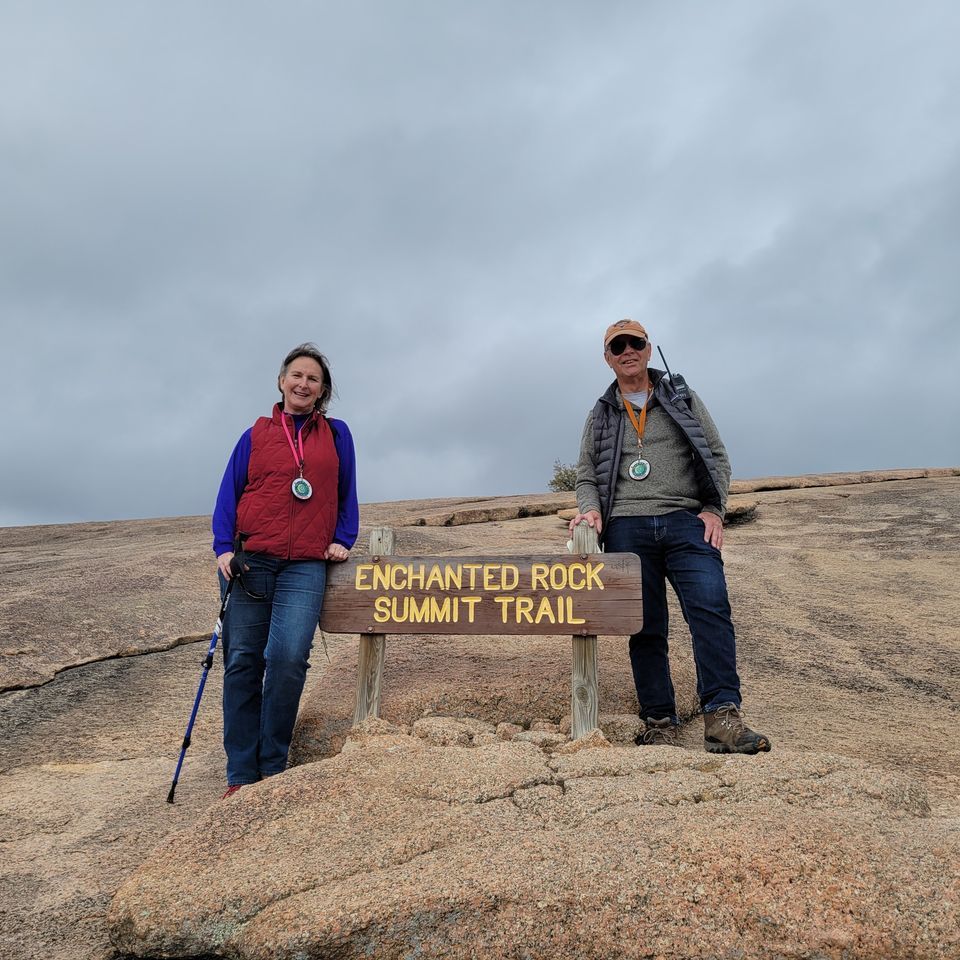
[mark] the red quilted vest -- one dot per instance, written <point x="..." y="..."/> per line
<point x="277" y="522"/>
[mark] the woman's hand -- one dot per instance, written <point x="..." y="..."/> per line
<point x="337" y="552"/>
<point x="223" y="564"/>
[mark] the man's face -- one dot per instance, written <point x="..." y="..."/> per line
<point x="631" y="362"/>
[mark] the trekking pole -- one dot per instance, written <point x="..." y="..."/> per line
<point x="207" y="663"/>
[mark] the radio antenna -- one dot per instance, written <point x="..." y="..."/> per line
<point x="664" y="359"/>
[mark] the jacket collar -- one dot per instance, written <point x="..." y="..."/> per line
<point x="278" y="415"/>
<point x="611" y="397"/>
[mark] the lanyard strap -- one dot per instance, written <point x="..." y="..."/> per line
<point x="297" y="457"/>
<point x="641" y="424"/>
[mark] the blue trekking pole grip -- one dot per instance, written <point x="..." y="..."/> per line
<point x="207" y="663"/>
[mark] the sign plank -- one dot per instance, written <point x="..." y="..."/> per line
<point x="574" y="594"/>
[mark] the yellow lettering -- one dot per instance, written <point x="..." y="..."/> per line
<point x="545" y="610"/>
<point x="381" y="610"/>
<point x="397" y="579"/>
<point x="454" y="577"/>
<point x="525" y="609"/>
<point x="397" y="616"/>
<point x="570" y="617"/>
<point x="435" y="578"/>
<point x="510" y="577"/>
<point x="419" y="612"/>
<point x="593" y="575"/>
<point x="440" y="612"/>
<point x="381" y="576"/>
<point x="504" y="604"/>
<point x="558" y="576"/>
<point x="574" y="569"/>
<point x="359" y="581"/>
<point x="489" y="574"/>
<point x="472" y="569"/>
<point x="538" y="577"/>
<point x="471" y="603"/>
<point x="415" y="575"/>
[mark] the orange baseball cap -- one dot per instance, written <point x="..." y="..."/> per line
<point x="629" y="327"/>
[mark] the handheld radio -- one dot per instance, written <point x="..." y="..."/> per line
<point x="679" y="385"/>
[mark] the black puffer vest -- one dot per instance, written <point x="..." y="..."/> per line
<point x="608" y="423"/>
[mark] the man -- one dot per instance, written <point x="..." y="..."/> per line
<point x="652" y="479"/>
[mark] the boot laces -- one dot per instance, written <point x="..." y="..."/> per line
<point x="731" y="718"/>
<point x="662" y="730"/>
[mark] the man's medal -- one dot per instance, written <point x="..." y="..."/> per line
<point x="301" y="487"/>
<point x="640" y="468"/>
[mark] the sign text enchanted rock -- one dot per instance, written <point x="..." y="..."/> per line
<point x="595" y="594"/>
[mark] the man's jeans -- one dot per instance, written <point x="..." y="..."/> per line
<point x="671" y="547"/>
<point x="266" y="651"/>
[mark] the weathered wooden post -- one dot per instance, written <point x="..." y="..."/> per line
<point x="584" y="698"/>
<point x="373" y="646"/>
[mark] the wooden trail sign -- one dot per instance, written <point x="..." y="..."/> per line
<point x="586" y="594"/>
<point x="581" y="595"/>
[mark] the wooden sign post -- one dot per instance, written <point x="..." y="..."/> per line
<point x="584" y="695"/>
<point x="373" y="646"/>
<point x="582" y="594"/>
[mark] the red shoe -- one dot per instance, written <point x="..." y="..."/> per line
<point x="231" y="791"/>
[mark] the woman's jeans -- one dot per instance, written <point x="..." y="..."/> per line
<point x="671" y="547"/>
<point x="266" y="651"/>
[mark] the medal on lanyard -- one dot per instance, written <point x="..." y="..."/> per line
<point x="640" y="468"/>
<point x="301" y="487"/>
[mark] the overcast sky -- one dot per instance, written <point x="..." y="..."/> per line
<point x="454" y="199"/>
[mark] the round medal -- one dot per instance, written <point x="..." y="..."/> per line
<point x="301" y="489"/>
<point x="640" y="469"/>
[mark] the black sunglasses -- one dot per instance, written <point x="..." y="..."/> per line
<point x="619" y="344"/>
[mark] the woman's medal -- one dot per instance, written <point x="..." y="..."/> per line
<point x="301" y="487"/>
<point x="640" y="468"/>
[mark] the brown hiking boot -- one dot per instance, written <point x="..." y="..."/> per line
<point x="659" y="733"/>
<point x="725" y="732"/>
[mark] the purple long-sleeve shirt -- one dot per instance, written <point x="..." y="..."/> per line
<point x="235" y="481"/>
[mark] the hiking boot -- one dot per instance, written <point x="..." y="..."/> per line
<point x="725" y="732"/>
<point x="231" y="790"/>
<point x="659" y="733"/>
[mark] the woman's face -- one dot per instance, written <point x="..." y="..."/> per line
<point x="301" y="385"/>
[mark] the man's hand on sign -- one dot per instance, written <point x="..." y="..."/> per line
<point x="337" y="552"/>
<point x="592" y="518"/>
<point x="713" y="529"/>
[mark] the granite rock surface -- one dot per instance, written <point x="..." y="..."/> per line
<point x="846" y="607"/>
<point x="401" y="847"/>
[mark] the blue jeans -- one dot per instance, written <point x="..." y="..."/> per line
<point x="266" y="653"/>
<point x="671" y="547"/>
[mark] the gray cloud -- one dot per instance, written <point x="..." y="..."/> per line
<point x="454" y="200"/>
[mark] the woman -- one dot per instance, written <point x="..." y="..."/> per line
<point x="289" y="491"/>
